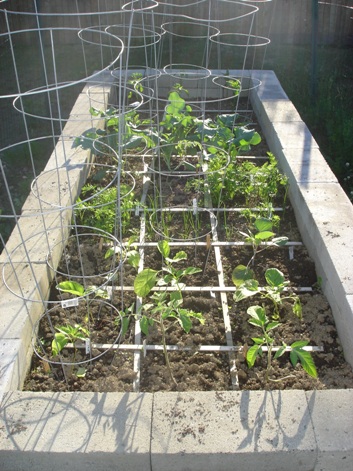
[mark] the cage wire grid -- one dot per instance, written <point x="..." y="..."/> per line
<point x="106" y="42"/>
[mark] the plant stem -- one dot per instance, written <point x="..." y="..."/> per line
<point x="166" y="356"/>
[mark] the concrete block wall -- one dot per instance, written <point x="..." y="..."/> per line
<point x="323" y="211"/>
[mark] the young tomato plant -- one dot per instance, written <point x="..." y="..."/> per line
<point x="168" y="275"/>
<point x="165" y="305"/>
<point x="274" y="291"/>
<point x="259" y="319"/>
<point x="263" y="227"/>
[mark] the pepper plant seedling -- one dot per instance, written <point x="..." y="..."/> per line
<point x="274" y="291"/>
<point x="258" y="318"/>
<point x="68" y="334"/>
<point x="76" y="289"/>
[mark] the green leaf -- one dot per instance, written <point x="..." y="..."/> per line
<point x="109" y="253"/>
<point x="304" y="357"/>
<point x="191" y="271"/>
<point x="179" y="256"/>
<point x="263" y="224"/>
<point x="177" y="104"/>
<point x="299" y="344"/>
<point x="176" y="296"/>
<point x="185" y="321"/>
<point x="249" y="288"/>
<point x="252" y="354"/>
<point x="272" y="325"/>
<point x="293" y="357"/>
<point x="274" y="277"/>
<point x="164" y="248"/>
<point x="280" y="241"/>
<point x="125" y="321"/>
<point x="256" y="139"/>
<point x="297" y="308"/>
<point x="145" y="281"/>
<point x="240" y="274"/>
<point x="280" y="352"/>
<point x="257" y="313"/>
<point x="95" y="112"/>
<point x="145" y="322"/>
<point x="258" y="340"/>
<point x="71" y="287"/>
<point x="133" y="258"/>
<point x="58" y="343"/>
<point x="81" y="372"/>
<point x="255" y="322"/>
<point x="264" y="235"/>
<point x="198" y="316"/>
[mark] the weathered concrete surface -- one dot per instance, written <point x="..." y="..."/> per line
<point x="75" y="431"/>
<point x="332" y="419"/>
<point x="222" y="431"/>
<point x="225" y="431"/>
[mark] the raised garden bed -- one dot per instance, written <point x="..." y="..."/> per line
<point x="209" y="211"/>
<point x="232" y="428"/>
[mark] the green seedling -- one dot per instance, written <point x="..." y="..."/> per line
<point x="168" y="275"/>
<point x="101" y="210"/>
<point x="123" y="320"/>
<point x="76" y="289"/>
<point x="263" y="227"/>
<point x="178" y="124"/>
<point x="274" y="291"/>
<point x="68" y="334"/>
<point x="130" y="253"/>
<point x="259" y="319"/>
<point x="135" y="80"/>
<point x="166" y="305"/>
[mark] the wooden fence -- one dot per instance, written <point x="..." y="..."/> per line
<point x="284" y="21"/>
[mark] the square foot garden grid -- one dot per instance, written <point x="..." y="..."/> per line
<point x="317" y="441"/>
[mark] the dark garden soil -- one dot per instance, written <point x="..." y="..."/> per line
<point x="113" y="370"/>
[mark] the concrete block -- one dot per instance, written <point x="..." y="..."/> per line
<point x="329" y="230"/>
<point x="270" y="88"/>
<point x="305" y="166"/>
<point x="75" y="431"/>
<point x="332" y="420"/>
<point x="294" y="135"/>
<point x="232" y="430"/>
<point x="17" y="318"/>
<point x="13" y="361"/>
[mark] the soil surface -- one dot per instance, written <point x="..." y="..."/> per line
<point x="111" y="369"/>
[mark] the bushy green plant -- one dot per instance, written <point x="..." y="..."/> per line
<point x="100" y="211"/>
<point x="257" y="185"/>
